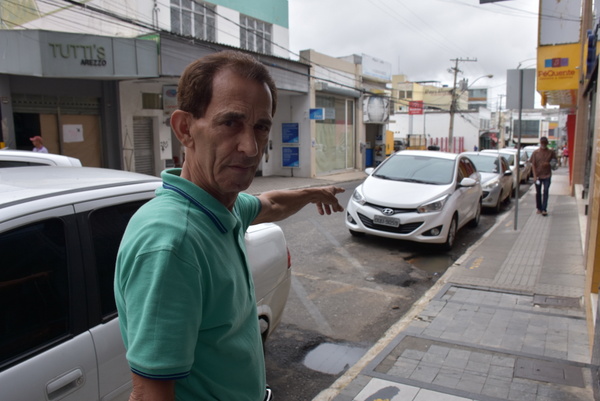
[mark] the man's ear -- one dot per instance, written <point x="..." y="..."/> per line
<point x="180" y="123"/>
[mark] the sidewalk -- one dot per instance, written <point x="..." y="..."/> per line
<point x="505" y="322"/>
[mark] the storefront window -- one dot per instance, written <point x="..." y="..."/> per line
<point x="335" y="135"/>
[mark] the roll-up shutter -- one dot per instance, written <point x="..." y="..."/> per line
<point x="143" y="145"/>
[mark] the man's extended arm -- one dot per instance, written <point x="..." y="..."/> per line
<point x="278" y="205"/>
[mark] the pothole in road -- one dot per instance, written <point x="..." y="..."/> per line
<point x="432" y="263"/>
<point x="333" y="358"/>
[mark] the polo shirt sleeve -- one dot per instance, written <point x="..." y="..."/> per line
<point x="248" y="207"/>
<point x="162" y="297"/>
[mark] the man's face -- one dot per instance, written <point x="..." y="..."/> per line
<point x="228" y="141"/>
<point x="544" y="144"/>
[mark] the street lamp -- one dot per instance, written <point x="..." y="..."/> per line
<point x="453" y="108"/>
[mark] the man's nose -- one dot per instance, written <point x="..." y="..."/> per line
<point x="247" y="142"/>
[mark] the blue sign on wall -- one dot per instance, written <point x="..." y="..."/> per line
<point x="290" y="157"/>
<point x="289" y="133"/>
<point x="317" y="114"/>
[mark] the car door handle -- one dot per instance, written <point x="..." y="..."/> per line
<point x="65" y="383"/>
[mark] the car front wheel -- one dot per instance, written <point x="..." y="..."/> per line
<point x="452" y="230"/>
<point x="475" y="221"/>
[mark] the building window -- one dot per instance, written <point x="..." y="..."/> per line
<point x="531" y="128"/>
<point x="255" y="35"/>
<point x="152" y="101"/>
<point x="405" y="94"/>
<point x="194" y="19"/>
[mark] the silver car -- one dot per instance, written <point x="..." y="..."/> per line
<point x="60" y="230"/>
<point x="496" y="178"/>
<point x="422" y="196"/>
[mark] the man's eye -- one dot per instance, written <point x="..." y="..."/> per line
<point x="262" y="127"/>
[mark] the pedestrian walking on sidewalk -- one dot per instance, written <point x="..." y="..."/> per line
<point x="542" y="161"/>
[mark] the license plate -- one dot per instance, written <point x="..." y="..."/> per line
<point x="386" y="221"/>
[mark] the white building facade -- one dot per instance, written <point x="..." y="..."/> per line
<point x="130" y="122"/>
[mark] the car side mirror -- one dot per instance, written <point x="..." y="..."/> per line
<point x="508" y="172"/>
<point x="468" y="182"/>
<point x="369" y="170"/>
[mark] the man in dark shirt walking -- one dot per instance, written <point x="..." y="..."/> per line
<point x="542" y="173"/>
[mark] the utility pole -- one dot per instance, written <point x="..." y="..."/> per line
<point x="453" y="101"/>
<point x="500" y="124"/>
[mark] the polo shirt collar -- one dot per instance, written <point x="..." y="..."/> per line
<point x="223" y="219"/>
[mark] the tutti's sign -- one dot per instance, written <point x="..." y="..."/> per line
<point x="85" y="55"/>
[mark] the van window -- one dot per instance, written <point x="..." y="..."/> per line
<point x="34" y="288"/>
<point x="108" y="225"/>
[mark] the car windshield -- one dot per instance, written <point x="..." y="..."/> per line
<point x="417" y="168"/>
<point x="485" y="164"/>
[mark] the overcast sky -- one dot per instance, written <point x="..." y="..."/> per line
<point x="420" y="37"/>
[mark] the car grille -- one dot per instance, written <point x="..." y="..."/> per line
<point x="401" y="229"/>
<point x="396" y="210"/>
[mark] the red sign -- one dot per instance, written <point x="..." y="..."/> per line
<point x="415" y="107"/>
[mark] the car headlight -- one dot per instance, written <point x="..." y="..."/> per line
<point x="491" y="184"/>
<point x="358" y="197"/>
<point x="433" y="206"/>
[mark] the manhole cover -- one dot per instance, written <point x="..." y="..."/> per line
<point x="550" y="372"/>
<point x="551" y="301"/>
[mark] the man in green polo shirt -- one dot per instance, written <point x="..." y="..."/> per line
<point x="183" y="286"/>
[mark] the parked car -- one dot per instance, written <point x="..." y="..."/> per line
<point x="22" y="158"/>
<point x="524" y="163"/>
<point x="420" y="196"/>
<point x="60" y="229"/>
<point x="511" y="156"/>
<point x="496" y="178"/>
<point x="530" y="149"/>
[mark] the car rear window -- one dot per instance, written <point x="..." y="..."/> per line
<point x="107" y="227"/>
<point x="34" y="292"/>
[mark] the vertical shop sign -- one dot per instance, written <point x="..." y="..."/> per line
<point x="290" y="156"/>
<point x="290" y="133"/>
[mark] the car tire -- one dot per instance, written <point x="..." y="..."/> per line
<point x="475" y="220"/>
<point x="500" y="202"/>
<point x="451" y="237"/>
<point x="356" y="233"/>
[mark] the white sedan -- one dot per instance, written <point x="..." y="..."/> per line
<point x="496" y="178"/>
<point x="421" y="196"/>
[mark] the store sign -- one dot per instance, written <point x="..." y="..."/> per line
<point x="415" y="107"/>
<point x="87" y="55"/>
<point x="557" y="67"/>
<point x="169" y="98"/>
<point x="290" y="133"/>
<point x="290" y="157"/>
<point x="317" y="114"/>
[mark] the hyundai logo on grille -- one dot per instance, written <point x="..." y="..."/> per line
<point x="387" y="211"/>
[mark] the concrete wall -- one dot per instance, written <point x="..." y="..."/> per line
<point x="436" y="125"/>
